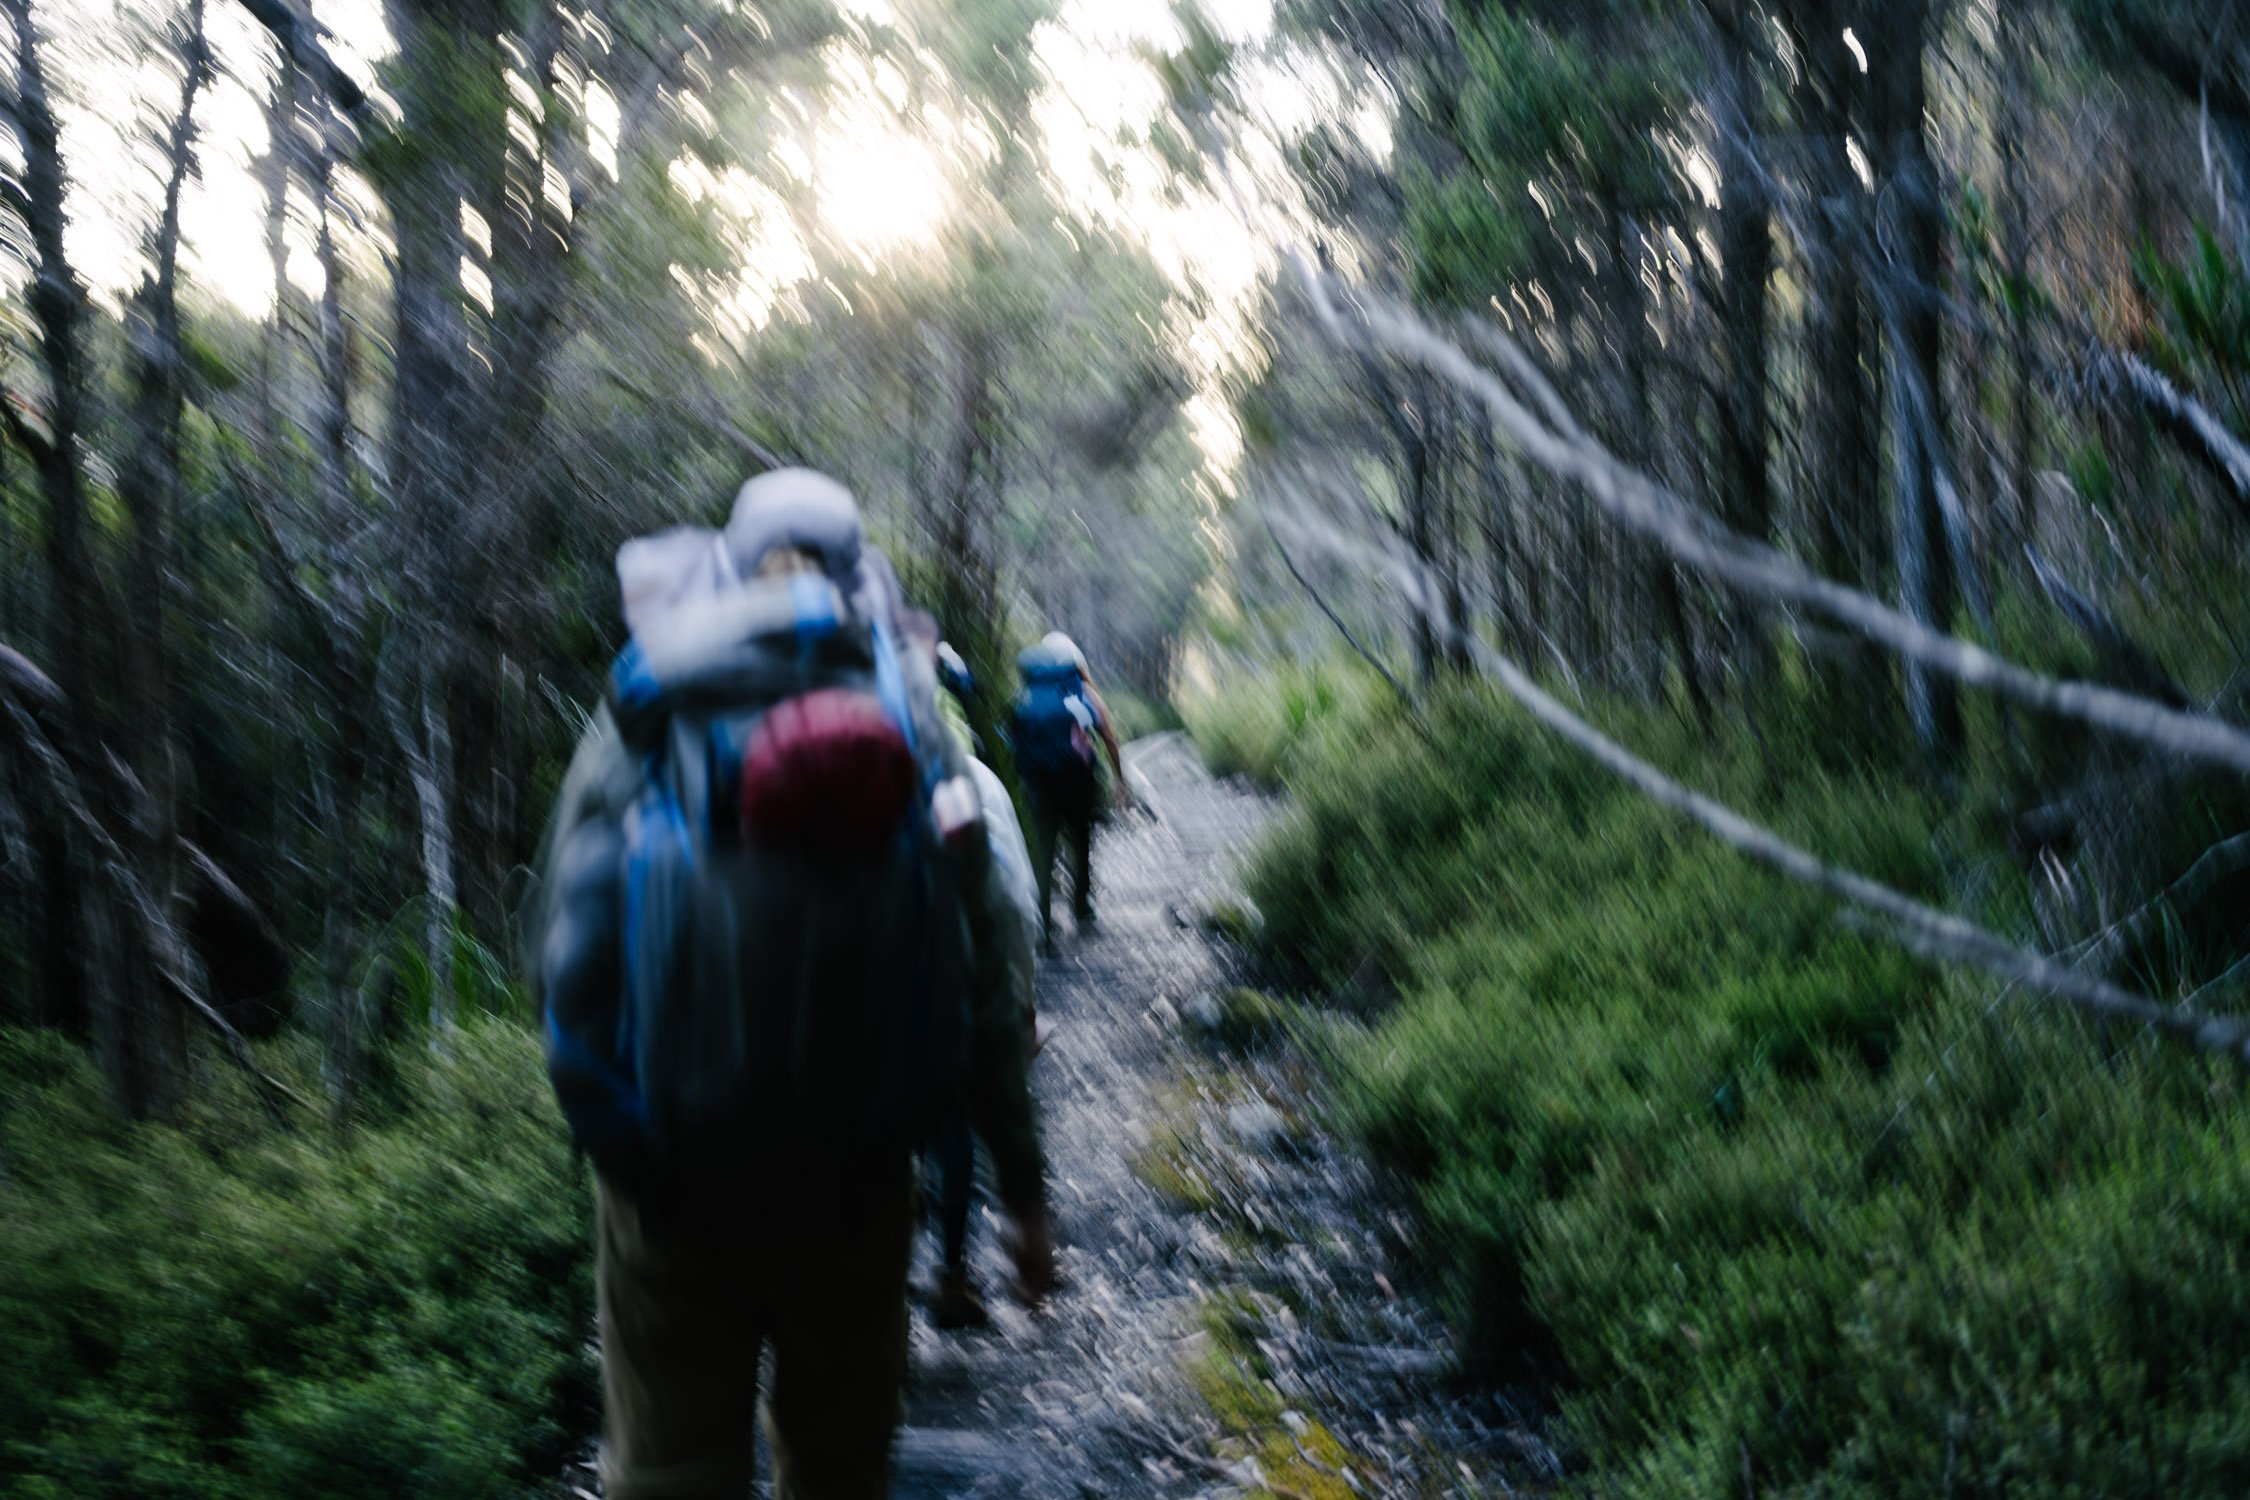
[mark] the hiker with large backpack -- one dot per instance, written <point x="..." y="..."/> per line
<point x="768" y="940"/>
<point x="1058" y="723"/>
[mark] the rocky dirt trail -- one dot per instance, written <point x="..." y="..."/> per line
<point x="1231" y="1330"/>
<point x="1064" y="1402"/>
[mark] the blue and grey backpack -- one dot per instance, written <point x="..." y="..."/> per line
<point x="1051" y="727"/>
<point x="753" y="952"/>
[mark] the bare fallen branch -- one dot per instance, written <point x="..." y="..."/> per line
<point x="1924" y="929"/>
<point x="1642" y="505"/>
<point x="2231" y="979"/>
<point x="2179" y="413"/>
<point x="2227" y="857"/>
<point x="1334" y="619"/>
<point x="162" y="938"/>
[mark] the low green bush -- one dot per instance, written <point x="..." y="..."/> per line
<point x="1256" y="724"/>
<point x="1135" y="717"/>
<point x="1768" y="1202"/>
<point x="229" y="1307"/>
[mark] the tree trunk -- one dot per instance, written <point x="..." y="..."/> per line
<point x="1746" y="247"/>
<point x="1842" y="484"/>
<point x="1499" y="541"/>
<point x="433" y="408"/>
<point x="74" y="967"/>
<point x="1912" y="286"/>
<point x="58" y="307"/>
<point x="1457" y="625"/>
<point x="281" y="131"/>
<point x="2015" y="217"/>
<point x="346" y="678"/>
<point x="1653" y="595"/>
<point x="156" y="1031"/>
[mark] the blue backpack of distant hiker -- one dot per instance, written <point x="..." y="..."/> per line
<point x="755" y="954"/>
<point x="1052" y="726"/>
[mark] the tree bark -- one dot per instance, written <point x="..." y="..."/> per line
<point x="1746" y="247"/>
<point x="1912" y="284"/>
<point x="156" y="1031"/>
<point x="1849" y="536"/>
<point x="433" y="406"/>
<point x="281" y="150"/>
<point x="75" y="971"/>
<point x="346" y="676"/>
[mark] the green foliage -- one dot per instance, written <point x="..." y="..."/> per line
<point x="1136" y="717"/>
<point x="2206" y="305"/>
<point x="1766" y="1196"/>
<point x="1255" y="724"/>
<point x="1465" y="240"/>
<point x="1567" y="102"/>
<point x="231" y="1308"/>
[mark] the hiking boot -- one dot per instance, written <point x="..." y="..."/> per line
<point x="957" y="1304"/>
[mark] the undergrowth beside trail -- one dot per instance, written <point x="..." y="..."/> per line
<point x="229" y="1308"/>
<point x="1769" y="1204"/>
<point x="1259" y="727"/>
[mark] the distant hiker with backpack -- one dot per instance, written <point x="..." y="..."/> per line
<point x="1058" y="724"/>
<point x="771" y="947"/>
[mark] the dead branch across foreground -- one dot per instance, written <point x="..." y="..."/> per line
<point x="1642" y="505"/>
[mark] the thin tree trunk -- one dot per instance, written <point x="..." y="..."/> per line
<point x="1457" y="621"/>
<point x="346" y="678"/>
<point x="432" y="411"/>
<point x="1746" y="246"/>
<point x="73" y="965"/>
<point x="1652" y="599"/>
<point x="1499" y="538"/>
<point x="1912" y="284"/>
<point x="281" y="130"/>
<point x="156" y="1031"/>
<point x="1841" y="485"/>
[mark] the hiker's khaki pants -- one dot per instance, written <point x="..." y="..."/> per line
<point x="684" y="1318"/>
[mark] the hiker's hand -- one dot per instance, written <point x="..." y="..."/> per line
<point x="1034" y="1252"/>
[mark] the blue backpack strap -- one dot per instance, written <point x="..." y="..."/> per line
<point x="815" y="602"/>
<point x="659" y="827"/>
<point x="632" y="679"/>
<point x="890" y="689"/>
<point x="621" y="1097"/>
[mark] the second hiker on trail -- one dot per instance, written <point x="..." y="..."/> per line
<point x="772" y="949"/>
<point x="1056" y="725"/>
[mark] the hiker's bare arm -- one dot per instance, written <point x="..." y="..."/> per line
<point x="1109" y="743"/>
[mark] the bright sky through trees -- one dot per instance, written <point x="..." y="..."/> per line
<point x="889" y="151"/>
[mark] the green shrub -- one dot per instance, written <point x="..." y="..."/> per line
<point x="1135" y="717"/>
<point x="1257" y="724"/>
<point x="1763" y="1197"/>
<point x="231" y="1308"/>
